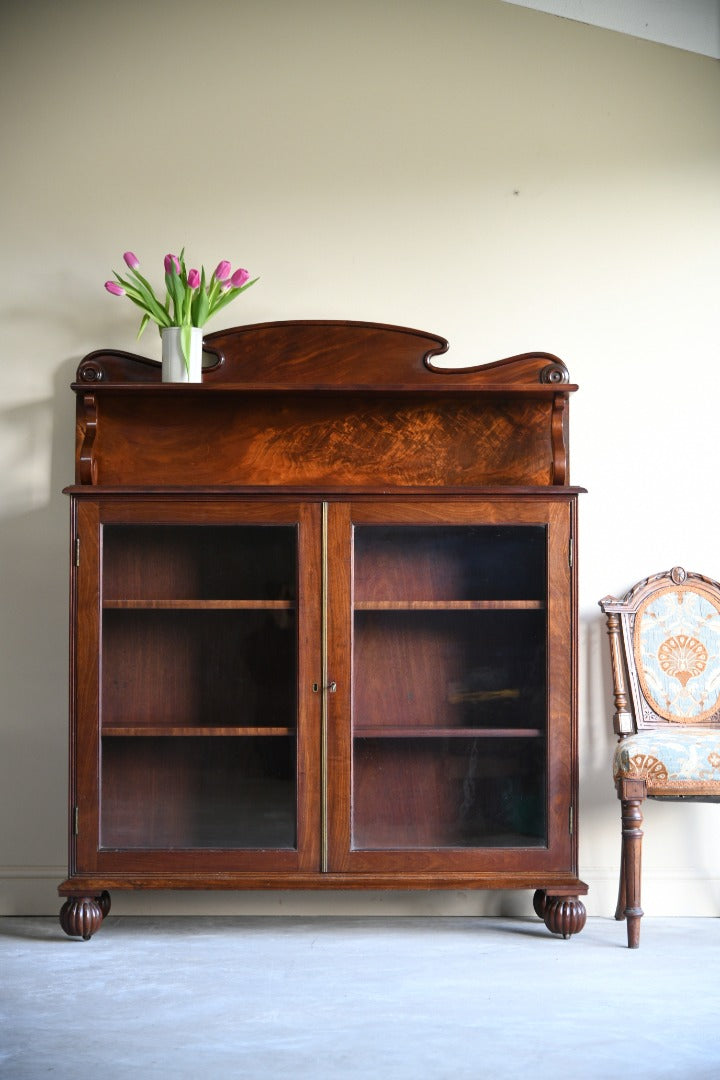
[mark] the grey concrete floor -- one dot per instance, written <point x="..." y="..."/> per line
<point x="390" y="998"/>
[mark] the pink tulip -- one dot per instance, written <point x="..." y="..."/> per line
<point x="132" y="260"/>
<point x="172" y="263"/>
<point x="222" y="272"/>
<point x="239" y="278"/>
<point x="193" y="278"/>
<point x="114" y="288"/>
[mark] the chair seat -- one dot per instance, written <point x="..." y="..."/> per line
<point x="684" y="761"/>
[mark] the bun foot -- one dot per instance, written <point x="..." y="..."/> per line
<point x="564" y="915"/>
<point x="540" y="903"/>
<point x="81" y="916"/>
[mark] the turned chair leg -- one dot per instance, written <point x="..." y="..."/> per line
<point x="631" y="794"/>
<point x="622" y="892"/>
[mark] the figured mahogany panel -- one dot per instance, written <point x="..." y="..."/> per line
<point x="321" y="440"/>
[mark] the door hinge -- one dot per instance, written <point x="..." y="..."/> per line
<point x="77" y="550"/>
<point x="571" y="823"/>
<point x="571" y="547"/>
<point x="76" y="820"/>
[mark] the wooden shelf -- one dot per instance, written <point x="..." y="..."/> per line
<point x="452" y="388"/>
<point x="165" y="730"/>
<point x="199" y="605"/>
<point x="446" y="733"/>
<point x="449" y="605"/>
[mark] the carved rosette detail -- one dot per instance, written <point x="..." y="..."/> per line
<point x="564" y="915"/>
<point x="90" y="371"/>
<point x="555" y="373"/>
<point x="81" y="916"/>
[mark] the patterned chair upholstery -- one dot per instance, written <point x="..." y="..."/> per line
<point x="665" y="651"/>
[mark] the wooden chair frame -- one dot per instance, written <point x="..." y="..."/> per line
<point x="634" y="712"/>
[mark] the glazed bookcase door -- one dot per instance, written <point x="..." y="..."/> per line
<point x="457" y="685"/>
<point x="193" y="733"/>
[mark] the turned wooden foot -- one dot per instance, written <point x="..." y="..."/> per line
<point x="540" y="903"/>
<point x="81" y="916"/>
<point x="564" y="915"/>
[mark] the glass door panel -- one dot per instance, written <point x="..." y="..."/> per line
<point x="199" y="562"/>
<point x="448" y="791"/>
<point x="194" y="668"/>
<point x="199" y="689"/>
<point x="407" y="563"/>
<point x="198" y="792"/>
<point x="449" y="686"/>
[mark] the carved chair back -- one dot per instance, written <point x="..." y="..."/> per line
<point x="665" y="650"/>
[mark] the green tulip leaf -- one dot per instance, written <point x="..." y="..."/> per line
<point x="185" y="337"/>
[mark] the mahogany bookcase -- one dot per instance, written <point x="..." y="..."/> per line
<point x="323" y="611"/>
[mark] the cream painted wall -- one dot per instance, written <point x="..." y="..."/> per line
<point x="503" y="177"/>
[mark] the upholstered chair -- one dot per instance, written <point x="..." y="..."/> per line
<point x="665" y="652"/>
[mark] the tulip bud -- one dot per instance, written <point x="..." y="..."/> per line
<point x="132" y="260"/>
<point x="172" y="263"/>
<point x="239" y="278"/>
<point x="222" y="272"/>
<point x="114" y="288"/>
<point x="193" y="278"/>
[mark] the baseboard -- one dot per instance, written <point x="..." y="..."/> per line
<point x="32" y="891"/>
<point x="666" y="891"/>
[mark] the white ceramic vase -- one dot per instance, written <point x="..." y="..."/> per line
<point x="174" y="368"/>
